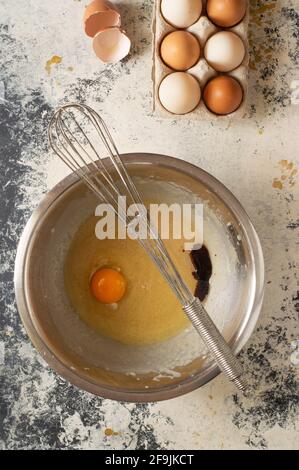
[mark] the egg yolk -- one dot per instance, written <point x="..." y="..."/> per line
<point x="108" y="285"/>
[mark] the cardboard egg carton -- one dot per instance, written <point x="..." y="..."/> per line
<point x="202" y="71"/>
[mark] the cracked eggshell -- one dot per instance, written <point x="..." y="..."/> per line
<point x="99" y="15"/>
<point x="111" y="45"/>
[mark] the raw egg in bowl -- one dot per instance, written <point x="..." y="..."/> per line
<point x="99" y="311"/>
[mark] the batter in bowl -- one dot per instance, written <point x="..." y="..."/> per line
<point x="149" y="311"/>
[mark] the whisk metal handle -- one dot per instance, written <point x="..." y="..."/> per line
<point x="71" y="140"/>
<point x="216" y="344"/>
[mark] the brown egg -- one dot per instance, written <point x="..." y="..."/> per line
<point x="180" y="50"/>
<point x="226" y="13"/>
<point x="223" y="95"/>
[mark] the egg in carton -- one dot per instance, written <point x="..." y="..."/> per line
<point x="202" y="29"/>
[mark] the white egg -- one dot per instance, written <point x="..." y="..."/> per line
<point x="224" y="51"/>
<point x="179" y="93"/>
<point x="181" y="13"/>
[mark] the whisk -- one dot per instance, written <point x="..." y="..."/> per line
<point x="74" y="134"/>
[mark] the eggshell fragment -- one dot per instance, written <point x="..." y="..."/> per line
<point x="111" y="45"/>
<point x="99" y="15"/>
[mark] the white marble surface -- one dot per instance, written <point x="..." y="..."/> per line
<point x="249" y="156"/>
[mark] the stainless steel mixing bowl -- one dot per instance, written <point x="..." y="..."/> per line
<point x="138" y="373"/>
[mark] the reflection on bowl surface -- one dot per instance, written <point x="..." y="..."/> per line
<point x="142" y="349"/>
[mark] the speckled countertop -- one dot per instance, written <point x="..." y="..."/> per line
<point x="257" y="158"/>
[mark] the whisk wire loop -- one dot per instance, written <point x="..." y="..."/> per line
<point x="109" y="179"/>
<point x="82" y="157"/>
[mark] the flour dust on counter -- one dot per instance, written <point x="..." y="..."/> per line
<point x="41" y="410"/>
